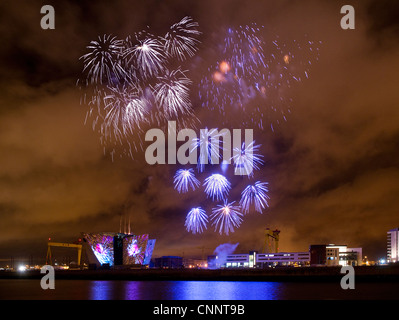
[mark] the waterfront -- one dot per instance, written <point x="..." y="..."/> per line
<point x="30" y="289"/>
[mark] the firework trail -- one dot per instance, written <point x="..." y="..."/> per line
<point x="210" y="150"/>
<point x="172" y="93"/>
<point x="255" y="194"/>
<point x="149" y="56"/>
<point x="196" y="220"/>
<point x="125" y="110"/>
<point x="185" y="178"/>
<point x="179" y="41"/>
<point x="246" y="159"/>
<point x="226" y="217"/>
<point x="102" y="63"/>
<point x="130" y="84"/>
<point x="251" y="80"/>
<point x="217" y="186"/>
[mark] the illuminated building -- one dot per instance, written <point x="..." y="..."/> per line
<point x="117" y="249"/>
<point x="261" y="260"/>
<point x="393" y="245"/>
<point x="283" y="258"/>
<point x="335" y="255"/>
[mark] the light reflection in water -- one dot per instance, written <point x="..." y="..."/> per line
<point x="225" y="290"/>
<point x="184" y="290"/>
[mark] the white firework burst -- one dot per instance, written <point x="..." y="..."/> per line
<point x="217" y="186"/>
<point x="196" y="220"/>
<point x="125" y="110"/>
<point x="246" y="159"/>
<point x="180" y="40"/>
<point x="103" y="62"/>
<point x="172" y="93"/>
<point x="185" y="179"/>
<point x="226" y="217"/>
<point x="210" y="149"/>
<point x="148" y="55"/>
<point x="255" y="194"/>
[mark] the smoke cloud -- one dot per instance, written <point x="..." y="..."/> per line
<point x="221" y="252"/>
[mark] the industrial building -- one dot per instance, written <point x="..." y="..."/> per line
<point x="318" y="255"/>
<point x="169" y="262"/>
<point x="261" y="260"/>
<point x="253" y="259"/>
<point x="334" y="255"/>
<point x="393" y="245"/>
<point x="283" y="258"/>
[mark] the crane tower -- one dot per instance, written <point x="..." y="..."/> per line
<point x="271" y="241"/>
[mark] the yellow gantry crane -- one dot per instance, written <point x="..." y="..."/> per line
<point x="271" y="237"/>
<point x="64" y="245"/>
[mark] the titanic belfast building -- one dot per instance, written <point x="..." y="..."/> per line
<point x="118" y="249"/>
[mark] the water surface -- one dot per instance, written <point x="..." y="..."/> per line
<point x="30" y="289"/>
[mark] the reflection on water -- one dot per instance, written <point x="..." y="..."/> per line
<point x="192" y="290"/>
<point x="184" y="290"/>
<point x="219" y="290"/>
<point x="116" y="290"/>
<point x="236" y="290"/>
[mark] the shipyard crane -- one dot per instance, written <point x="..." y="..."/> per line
<point x="271" y="237"/>
<point x="50" y="244"/>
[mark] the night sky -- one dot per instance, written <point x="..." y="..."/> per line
<point x="332" y="167"/>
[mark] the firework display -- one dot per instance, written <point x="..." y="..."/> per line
<point x="246" y="159"/>
<point x="185" y="178"/>
<point x="249" y="83"/>
<point x="209" y="147"/>
<point x="226" y="217"/>
<point x="132" y="83"/>
<point x="172" y="93"/>
<point x="102" y="62"/>
<point x="247" y="86"/>
<point x="179" y="41"/>
<point x="217" y="186"/>
<point x="196" y="220"/>
<point x="255" y="194"/>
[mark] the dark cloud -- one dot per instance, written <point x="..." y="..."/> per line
<point x="332" y="169"/>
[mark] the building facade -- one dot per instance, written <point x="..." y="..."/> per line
<point x="169" y="262"/>
<point x="393" y="245"/>
<point x="334" y="255"/>
<point x="262" y="260"/>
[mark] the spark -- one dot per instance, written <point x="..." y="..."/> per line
<point x="172" y="93"/>
<point x="255" y="194"/>
<point x="128" y="86"/>
<point x="185" y="178"/>
<point x="103" y="60"/>
<point x="246" y="159"/>
<point x="226" y="217"/>
<point x="217" y="186"/>
<point x="209" y="147"/>
<point x="196" y="220"/>
<point x="124" y="110"/>
<point x="179" y="41"/>
<point x="149" y="56"/>
<point x="250" y="81"/>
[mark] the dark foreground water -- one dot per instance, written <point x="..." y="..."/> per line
<point x="23" y="289"/>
